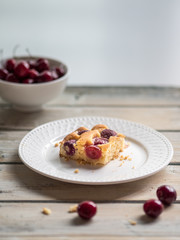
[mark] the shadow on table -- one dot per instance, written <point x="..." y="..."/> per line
<point x="33" y="186"/>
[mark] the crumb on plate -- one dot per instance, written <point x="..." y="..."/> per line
<point x="46" y="211"/>
<point x="56" y="144"/>
<point x="76" y="170"/>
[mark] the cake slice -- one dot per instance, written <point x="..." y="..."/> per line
<point x="99" y="145"/>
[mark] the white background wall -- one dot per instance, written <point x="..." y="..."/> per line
<point x="105" y="42"/>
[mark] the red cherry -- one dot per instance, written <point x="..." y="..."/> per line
<point x="107" y="133"/>
<point x="98" y="141"/>
<point x="54" y="75"/>
<point x="166" y="194"/>
<point x="42" y="65"/>
<point x="10" y="64"/>
<point x="12" y="78"/>
<point x="87" y="209"/>
<point x="22" y="69"/>
<point x="32" y="64"/>
<point x="45" y="77"/>
<point x="32" y="73"/>
<point x="93" y="152"/>
<point x="3" y="74"/>
<point x="69" y="147"/>
<point x="60" y="70"/>
<point x="28" y="81"/>
<point x="153" y="208"/>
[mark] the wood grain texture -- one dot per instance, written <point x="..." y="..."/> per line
<point x="9" y="142"/>
<point x="106" y="96"/>
<point x="159" y="118"/>
<point x="17" y="182"/>
<point x="86" y="237"/>
<point x="112" y="220"/>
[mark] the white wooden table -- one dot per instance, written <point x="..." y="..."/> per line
<point x="23" y="193"/>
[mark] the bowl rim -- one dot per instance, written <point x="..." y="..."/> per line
<point x="38" y="84"/>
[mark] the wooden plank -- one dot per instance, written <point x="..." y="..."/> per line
<point x="26" y="219"/>
<point x="133" y="96"/>
<point x="17" y="182"/>
<point x="93" y="237"/>
<point x="159" y="118"/>
<point x="9" y="142"/>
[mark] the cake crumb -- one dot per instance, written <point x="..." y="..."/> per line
<point x="120" y="164"/>
<point x="46" y="211"/>
<point x="76" y="170"/>
<point x="73" y="208"/>
<point x="129" y="159"/>
<point x="132" y="222"/>
<point x="133" y="167"/>
<point x="126" y="157"/>
<point x="56" y="144"/>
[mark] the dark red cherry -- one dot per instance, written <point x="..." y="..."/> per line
<point x="83" y="131"/>
<point x="107" y="133"/>
<point x="21" y="70"/>
<point x="98" y="141"/>
<point x="87" y="209"/>
<point x="54" y="75"/>
<point x="3" y="74"/>
<point x="69" y="147"/>
<point x="60" y="70"/>
<point x="93" y="152"/>
<point x="32" y="64"/>
<point x="42" y="65"/>
<point x="32" y="73"/>
<point x="12" y="78"/>
<point x="28" y="81"/>
<point x="44" y="77"/>
<point x="153" y="208"/>
<point x="10" y="64"/>
<point x="166" y="194"/>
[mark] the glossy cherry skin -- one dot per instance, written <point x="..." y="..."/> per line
<point x="93" y="152"/>
<point x="87" y="209"/>
<point x="12" y="78"/>
<point x="69" y="147"/>
<point x="99" y="141"/>
<point x="28" y="81"/>
<point x="45" y="77"/>
<point x="22" y="69"/>
<point x="10" y="64"/>
<point x="42" y="65"/>
<point x="153" y="208"/>
<point x="3" y="74"/>
<point x="54" y="75"/>
<point x="32" y="73"/>
<point x="32" y="64"/>
<point x="166" y="194"/>
<point x="107" y="133"/>
<point x="60" y="71"/>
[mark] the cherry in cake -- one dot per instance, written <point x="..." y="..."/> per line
<point x="99" y="145"/>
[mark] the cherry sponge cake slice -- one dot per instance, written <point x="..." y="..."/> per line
<point x="99" y="145"/>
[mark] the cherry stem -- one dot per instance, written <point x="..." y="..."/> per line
<point x="15" y="49"/>
<point x="28" y="52"/>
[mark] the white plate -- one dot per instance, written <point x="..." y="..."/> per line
<point x="150" y="152"/>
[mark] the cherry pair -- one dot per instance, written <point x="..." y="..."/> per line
<point x="166" y="195"/>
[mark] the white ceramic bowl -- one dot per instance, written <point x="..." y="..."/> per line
<point x="31" y="97"/>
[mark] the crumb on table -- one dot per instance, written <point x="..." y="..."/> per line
<point x="46" y="211"/>
<point x="132" y="222"/>
<point x="73" y="208"/>
<point x="76" y="170"/>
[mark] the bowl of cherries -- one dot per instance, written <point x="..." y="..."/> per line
<point x="29" y="82"/>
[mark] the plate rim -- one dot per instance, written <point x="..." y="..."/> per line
<point x="111" y="182"/>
